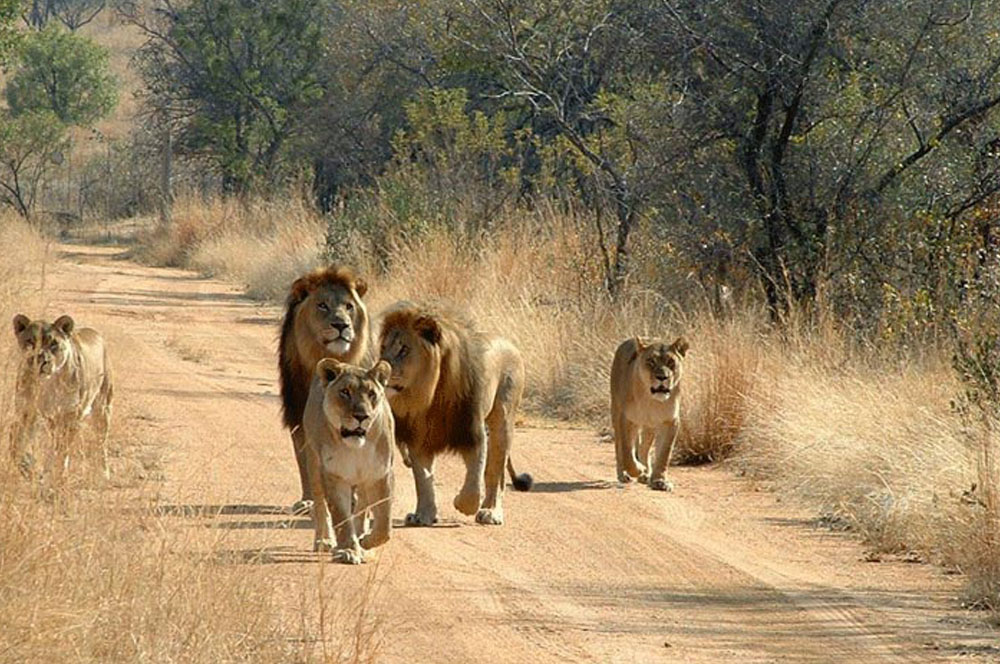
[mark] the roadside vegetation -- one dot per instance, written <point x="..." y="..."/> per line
<point x="808" y="190"/>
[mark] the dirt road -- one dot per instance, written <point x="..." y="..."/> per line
<point x="584" y="569"/>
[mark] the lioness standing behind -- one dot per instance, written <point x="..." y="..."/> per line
<point x="646" y="400"/>
<point x="349" y="436"/>
<point x="64" y="378"/>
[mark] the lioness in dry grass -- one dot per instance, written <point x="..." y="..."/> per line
<point x="324" y="317"/>
<point x="349" y="436"/>
<point x="646" y="400"/>
<point x="450" y="384"/>
<point x="64" y="378"/>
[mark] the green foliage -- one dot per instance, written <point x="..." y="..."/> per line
<point x="10" y="37"/>
<point x="65" y="74"/>
<point x="238" y="74"/>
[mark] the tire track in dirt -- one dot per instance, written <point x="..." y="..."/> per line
<point x="584" y="570"/>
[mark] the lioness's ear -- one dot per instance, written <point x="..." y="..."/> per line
<point x="21" y="323"/>
<point x="680" y="346"/>
<point x="64" y="324"/>
<point x="360" y="287"/>
<point x="428" y="328"/>
<point x="328" y="369"/>
<point x="381" y="372"/>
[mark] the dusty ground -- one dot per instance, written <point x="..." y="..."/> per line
<point x="584" y="570"/>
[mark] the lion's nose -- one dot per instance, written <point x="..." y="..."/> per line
<point x="339" y="325"/>
<point x="662" y="375"/>
<point x="361" y="417"/>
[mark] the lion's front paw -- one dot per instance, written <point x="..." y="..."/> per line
<point x="624" y="477"/>
<point x="302" y="507"/>
<point x="643" y="478"/>
<point x="661" y="484"/>
<point x="467" y="502"/>
<point x="349" y="556"/>
<point x="321" y="544"/>
<point x="493" y="517"/>
<point x="417" y="519"/>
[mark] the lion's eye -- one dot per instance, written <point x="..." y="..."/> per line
<point x="54" y="346"/>
<point x="349" y="306"/>
<point x="404" y="351"/>
<point x="345" y="393"/>
<point x="371" y="395"/>
<point x="322" y="306"/>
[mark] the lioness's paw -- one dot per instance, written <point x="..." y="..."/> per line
<point x="349" y="556"/>
<point x="302" y="507"/>
<point x="415" y="519"/>
<point x="492" y="517"/>
<point x="643" y="478"/>
<point x="370" y="541"/>
<point x="324" y="545"/>
<point x="661" y="484"/>
<point x="468" y="503"/>
<point x="624" y="478"/>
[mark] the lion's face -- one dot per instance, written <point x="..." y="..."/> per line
<point x="661" y="366"/>
<point x="414" y="353"/>
<point x="335" y="315"/>
<point x="351" y="397"/>
<point x="45" y="347"/>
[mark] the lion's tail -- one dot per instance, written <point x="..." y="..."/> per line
<point x="521" y="482"/>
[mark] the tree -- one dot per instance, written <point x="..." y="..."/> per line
<point x="65" y="74"/>
<point x="572" y="69"/>
<point x="75" y="14"/>
<point x="822" y="124"/>
<point x="29" y="144"/>
<point x="236" y="76"/>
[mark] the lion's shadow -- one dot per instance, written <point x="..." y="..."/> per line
<point x="567" y="487"/>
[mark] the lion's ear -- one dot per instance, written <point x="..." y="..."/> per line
<point x="380" y="373"/>
<point x="299" y="290"/>
<point x="21" y="323"/>
<point x="428" y="328"/>
<point x="360" y="287"/>
<point x="680" y="346"/>
<point x="64" y="324"/>
<point x="328" y="369"/>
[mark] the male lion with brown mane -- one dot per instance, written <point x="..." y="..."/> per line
<point x="449" y="385"/>
<point x="63" y="379"/>
<point x="646" y="403"/>
<point x="324" y="317"/>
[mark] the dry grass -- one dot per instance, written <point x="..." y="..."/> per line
<point x="873" y="445"/>
<point x="92" y="570"/>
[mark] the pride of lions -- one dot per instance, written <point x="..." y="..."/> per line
<point x="437" y="385"/>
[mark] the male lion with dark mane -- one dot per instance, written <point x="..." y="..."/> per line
<point x="646" y="404"/>
<point x="324" y="317"/>
<point x="63" y="379"/>
<point x="449" y="385"/>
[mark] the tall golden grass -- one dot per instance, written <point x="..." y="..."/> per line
<point x="92" y="570"/>
<point x="870" y="442"/>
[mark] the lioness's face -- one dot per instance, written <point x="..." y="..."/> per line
<point x="414" y="356"/>
<point x="351" y="397"/>
<point x="661" y="366"/>
<point x="335" y="314"/>
<point x="45" y="347"/>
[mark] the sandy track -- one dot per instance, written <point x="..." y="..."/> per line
<point x="584" y="570"/>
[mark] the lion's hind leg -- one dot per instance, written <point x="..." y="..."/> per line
<point x="101" y="415"/>
<point x="470" y="497"/>
<point x="501" y="428"/>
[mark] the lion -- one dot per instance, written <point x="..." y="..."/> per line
<point x="324" y="317"/>
<point x="451" y="384"/>
<point x="349" y="438"/>
<point x="63" y="379"/>
<point x="646" y="400"/>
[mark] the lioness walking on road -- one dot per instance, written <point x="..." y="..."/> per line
<point x="646" y="404"/>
